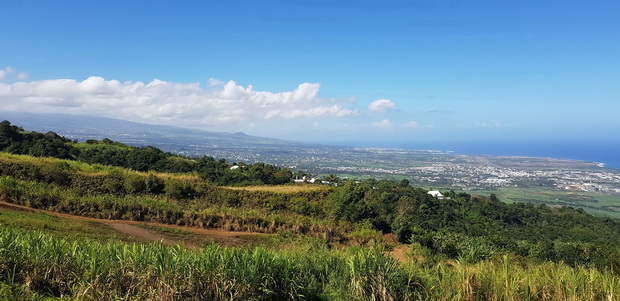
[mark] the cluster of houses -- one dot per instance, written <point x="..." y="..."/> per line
<point x="314" y="179"/>
<point x="305" y="179"/>
<point x="434" y="193"/>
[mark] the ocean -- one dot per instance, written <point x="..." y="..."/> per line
<point x="606" y="152"/>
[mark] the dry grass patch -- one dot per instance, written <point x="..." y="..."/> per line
<point x="281" y="188"/>
<point x="177" y="176"/>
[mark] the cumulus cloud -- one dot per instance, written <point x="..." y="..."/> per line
<point x="383" y="124"/>
<point x="22" y="76"/>
<point x="381" y="105"/>
<point x="10" y="74"/>
<point x="212" y="82"/>
<point x="159" y="101"/>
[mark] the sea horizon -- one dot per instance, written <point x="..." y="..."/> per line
<point x="604" y="152"/>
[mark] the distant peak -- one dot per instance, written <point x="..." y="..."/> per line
<point x="240" y="134"/>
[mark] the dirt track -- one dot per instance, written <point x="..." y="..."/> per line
<point x="399" y="253"/>
<point x="197" y="238"/>
<point x="133" y="229"/>
<point x="140" y="233"/>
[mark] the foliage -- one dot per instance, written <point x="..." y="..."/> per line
<point x="14" y="140"/>
<point x="34" y="265"/>
<point x="463" y="227"/>
<point x="107" y="152"/>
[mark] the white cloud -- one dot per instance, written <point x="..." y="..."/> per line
<point x="487" y="124"/>
<point x="335" y="110"/>
<point x="22" y="76"/>
<point x="381" y="105"/>
<point x="217" y="106"/>
<point x="10" y="74"/>
<point x="212" y="82"/>
<point x="412" y="124"/>
<point x="5" y="72"/>
<point x="383" y="124"/>
<point x="416" y="125"/>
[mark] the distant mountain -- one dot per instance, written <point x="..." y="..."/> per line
<point x="192" y="142"/>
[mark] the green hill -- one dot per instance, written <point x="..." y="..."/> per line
<point x="327" y="242"/>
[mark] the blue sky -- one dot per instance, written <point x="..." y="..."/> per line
<point x="320" y="70"/>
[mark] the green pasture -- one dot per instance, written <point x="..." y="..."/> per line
<point x="595" y="203"/>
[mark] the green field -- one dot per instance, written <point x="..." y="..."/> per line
<point x="594" y="203"/>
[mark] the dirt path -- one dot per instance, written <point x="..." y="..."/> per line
<point x="399" y="253"/>
<point x="399" y="249"/>
<point x="133" y="229"/>
<point x="140" y="233"/>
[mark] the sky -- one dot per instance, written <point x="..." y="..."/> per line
<point x="322" y="70"/>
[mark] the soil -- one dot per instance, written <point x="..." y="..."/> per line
<point x="399" y="253"/>
<point x="140" y="233"/>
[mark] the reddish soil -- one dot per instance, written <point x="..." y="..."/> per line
<point x="399" y="250"/>
<point x="140" y="233"/>
<point x="399" y="253"/>
<point x="133" y="229"/>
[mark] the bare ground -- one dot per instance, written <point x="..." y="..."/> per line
<point x="399" y="253"/>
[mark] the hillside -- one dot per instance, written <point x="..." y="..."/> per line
<point x="324" y="243"/>
<point x="179" y="140"/>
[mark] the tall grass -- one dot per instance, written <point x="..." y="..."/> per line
<point x="286" y="189"/>
<point x="35" y="264"/>
<point x="506" y="278"/>
<point x="105" y="271"/>
<point x="162" y="209"/>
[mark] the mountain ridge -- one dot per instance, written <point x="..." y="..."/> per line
<point x="188" y="141"/>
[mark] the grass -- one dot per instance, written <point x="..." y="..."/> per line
<point x="28" y="220"/>
<point x="87" y="168"/>
<point x="59" y="226"/>
<point x="162" y="210"/>
<point x="594" y="203"/>
<point x="285" y="266"/>
<point x="34" y="265"/>
<point x="282" y="188"/>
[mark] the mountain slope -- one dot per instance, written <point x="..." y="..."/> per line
<point x="193" y="142"/>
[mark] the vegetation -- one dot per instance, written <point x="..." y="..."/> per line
<point x="107" y="152"/>
<point x="461" y="247"/>
<point x="34" y="264"/>
<point x="595" y="203"/>
<point x="58" y="226"/>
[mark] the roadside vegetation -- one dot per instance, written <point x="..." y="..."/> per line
<point x="332" y="242"/>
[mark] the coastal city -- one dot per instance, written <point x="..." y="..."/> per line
<point x="436" y="168"/>
<point x="446" y="169"/>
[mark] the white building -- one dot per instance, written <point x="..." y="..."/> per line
<point x="436" y="194"/>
